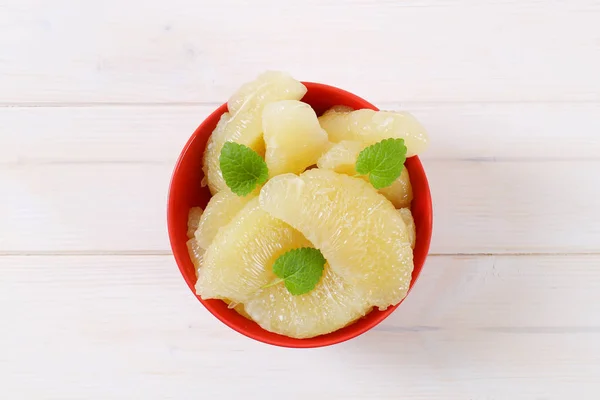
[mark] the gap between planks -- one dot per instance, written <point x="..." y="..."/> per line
<point x="381" y="104"/>
<point x="171" y="163"/>
<point x="159" y="253"/>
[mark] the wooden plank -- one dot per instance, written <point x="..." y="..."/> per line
<point x="88" y="207"/>
<point x="116" y="327"/>
<point x="96" y="134"/>
<point x="480" y="207"/>
<point x="157" y="134"/>
<point x="179" y="51"/>
<point x="515" y="207"/>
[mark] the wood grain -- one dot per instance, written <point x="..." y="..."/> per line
<point x="464" y="131"/>
<point x="69" y="51"/>
<point x="491" y="327"/>
<point x="97" y="98"/>
<point x="89" y="207"/>
<point x="479" y="207"/>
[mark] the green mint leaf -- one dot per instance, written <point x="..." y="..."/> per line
<point x="383" y="162"/>
<point x="242" y="168"/>
<point x="299" y="269"/>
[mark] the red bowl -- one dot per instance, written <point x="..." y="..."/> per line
<point x="186" y="192"/>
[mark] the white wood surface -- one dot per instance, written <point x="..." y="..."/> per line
<point x="127" y="327"/>
<point x="198" y="51"/>
<point x="98" y="97"/>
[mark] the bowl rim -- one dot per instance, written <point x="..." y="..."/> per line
<point x="375" y="316"/>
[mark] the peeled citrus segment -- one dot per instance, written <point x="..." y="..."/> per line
<point x="336" y="120"/>
<point x="340" y="108"/>
<point x="238" y="262"/>
<point x="410" y="225"/>
<point x="194" y="216"/>
<point x="369" y="127"/>
<point x="244" y="128"/>
<point x="220" y="210"/>
<point x="400" y="192"/>
<point x="241" y="309"/>
<point x="330" y="306"/>
<point x="194" y="250"/>
<point x="243" y="123"/>
<point x="360" y="233"/>
<point x="238" y="307"/>
<point x="341" y="158"/>
<point x="267" y="87"/>
<point x="294" y="139"/>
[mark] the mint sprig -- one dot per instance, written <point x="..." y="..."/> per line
<point x="382" y="161"/>
<point x="243" y="169"/>
<point x="299" y="269"/>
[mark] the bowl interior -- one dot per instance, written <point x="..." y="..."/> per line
<point x="186" y="192"/>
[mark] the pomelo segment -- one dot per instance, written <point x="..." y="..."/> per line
<point x="238" y="262"/>
<point x="341" y="158"/>
<point x="194" y="216"/>
<point x="194" y="250"/>
<point x="330" y="306"/>
<point x="410" y="225"/>
<point x="268" y="87"/>
<point x="243" y="123"/>
<point x="220" y="210"/>
<point x="218" y="217"/>
<point x="294" y="139"/>
<point x="370" y="127"/>
<point x="196" y="253"/>
<point x="360" y="233"/>
<point x="400" y="191"/>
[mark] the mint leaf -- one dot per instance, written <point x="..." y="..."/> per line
<point x="242" y="168"/>
<point x="299" y="269"/>
<point x="383" y="162"/>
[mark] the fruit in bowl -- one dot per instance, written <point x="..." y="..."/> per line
<point x="299" y="214"/>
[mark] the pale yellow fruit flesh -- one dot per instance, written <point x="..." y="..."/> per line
<point x="360" y="233"/>
<point x="329" y="307"/>
<point x="238" y="261"/>
<point x="294" y="140"/>
<point x="243" y="128"/>
<point x="339" y="109"/>
<point x="194" y="216"/>
<point x="400" y="191"/>
<point x="341" y="158"/>
<point x="370" y="127"/>
<point x="243" y="123"/>
<point x="268" y="87"/>
<point x="367" y="243"/>
<point x="197" y="252"/>
<point x="238" y="307"/>
<point x="194" y="250"/>
<point x="219" y="211"/>
<point x="410" y="225"/>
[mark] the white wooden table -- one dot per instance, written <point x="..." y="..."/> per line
<point x="97" y="97"/>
